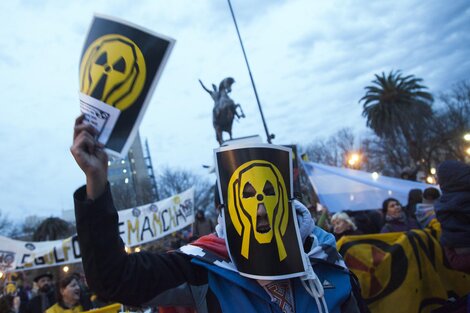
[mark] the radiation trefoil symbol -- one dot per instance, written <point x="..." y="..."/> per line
<point x="254" y="184"/>
<point x="377" y="258"/>
<point x="113" y="71"/>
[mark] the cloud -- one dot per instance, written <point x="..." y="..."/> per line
<point x="310" y="61"/>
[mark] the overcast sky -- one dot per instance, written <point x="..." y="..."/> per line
<point x="310" y="60"/>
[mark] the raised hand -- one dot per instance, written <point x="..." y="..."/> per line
<point x="90" y="157"/>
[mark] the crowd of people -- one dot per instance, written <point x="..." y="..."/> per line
<point x="449" y="206"/>
<point x="198" y="281"/>
<point x="68" y="294"/>
<point x="392" y="217"/>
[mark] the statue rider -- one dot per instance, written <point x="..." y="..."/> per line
<point x="225" y="109"/>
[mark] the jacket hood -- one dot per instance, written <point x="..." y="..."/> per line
<point x="453" y="176"/>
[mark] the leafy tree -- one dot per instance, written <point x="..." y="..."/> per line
<point x="438" y="138"/>
<point x="53" y="228"/>
<point x="398" y="109"/>
<point x="451" y="122"/>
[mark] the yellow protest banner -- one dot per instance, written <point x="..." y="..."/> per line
<point x="403" y="272"/>
<point x="112" y="308"/>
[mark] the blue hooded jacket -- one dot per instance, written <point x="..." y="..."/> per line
<point x="240" y="294"/>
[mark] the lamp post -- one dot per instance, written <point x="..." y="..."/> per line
<point x="431" y="180"/>
<point x="354" y="160"/>
<point x="466" y="137"/>
<point x="269" y="136"/>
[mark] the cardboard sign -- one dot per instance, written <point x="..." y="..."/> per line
<point x="119" y="69"/>
<point x="255" y="185"/>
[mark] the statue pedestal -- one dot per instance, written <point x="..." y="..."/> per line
<point x="242" y="140"/>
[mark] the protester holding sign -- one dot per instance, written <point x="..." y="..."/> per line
<point x="205" y="275"/>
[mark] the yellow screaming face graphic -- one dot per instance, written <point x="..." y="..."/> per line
<point x="113" y="71"/>
<point x="257" y="201"/>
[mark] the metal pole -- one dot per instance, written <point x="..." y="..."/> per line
<point x="268" y="135"/>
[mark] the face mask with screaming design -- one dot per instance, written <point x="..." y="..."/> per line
<point x="258" y="206"/>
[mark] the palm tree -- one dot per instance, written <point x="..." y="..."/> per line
<point x="398" y="107"/>
<point x="53" y="228"/>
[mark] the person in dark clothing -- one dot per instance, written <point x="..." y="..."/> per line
<point x="45" y="297"/>
<point x="7" y="304"/>
<point x="202" y="225"/>
<point x="415" y="196"/>
<point x="367" y="222"/>
<point x="453" y="212"/>
<point x="200" y="275"/>
<point x="431" y="194"/>
<point x="396" y="220"/>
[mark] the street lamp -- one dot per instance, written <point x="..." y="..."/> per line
<point x="354" y="159"/>
<point x="431" y="180"/>
<point x="468" y="151"/>
<point x="466" y="137"/>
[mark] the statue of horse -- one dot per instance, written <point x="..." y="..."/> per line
<point x="225" y="110"/>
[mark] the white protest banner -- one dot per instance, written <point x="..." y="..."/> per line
<point x="156" y="220"/>
<point x="137" y="226"/>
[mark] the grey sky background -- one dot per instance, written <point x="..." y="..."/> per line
<point x="310" y="60"/>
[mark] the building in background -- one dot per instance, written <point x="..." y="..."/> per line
<point x="131" y="179"/>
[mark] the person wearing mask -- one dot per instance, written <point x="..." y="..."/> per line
<point x="203" y="278"/>
<point x="68" y="296"/>
<point x="453" y="213"/>
<point x="46" y="295"/>
<point x="343" y="225"/>
<point x="396" y="220"/>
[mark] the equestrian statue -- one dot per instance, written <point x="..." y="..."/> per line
<point x="225" y="110"/>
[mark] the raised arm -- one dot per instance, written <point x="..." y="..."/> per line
<point x="133" y="279"/>
<point x="205" y="88"/>
<point x="90" y="157"/>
